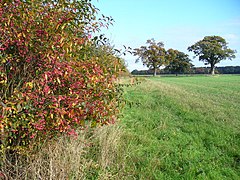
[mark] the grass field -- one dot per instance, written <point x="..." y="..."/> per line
<point x="171" y="128"/>
<point x="183" y="128"/>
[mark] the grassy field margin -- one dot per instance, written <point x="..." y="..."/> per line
<point x="184" y="128"/>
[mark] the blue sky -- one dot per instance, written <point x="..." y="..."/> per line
<point x="177" y="23"/>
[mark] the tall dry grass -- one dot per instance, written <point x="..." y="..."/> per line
<point x="96" y="154"/>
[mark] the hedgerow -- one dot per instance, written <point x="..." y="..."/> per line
<point x="54" y="77"/>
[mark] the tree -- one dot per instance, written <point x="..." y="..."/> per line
<point x="153" y="56"/>
<point x="179" y="62"/>
<point x="212" y="50"/>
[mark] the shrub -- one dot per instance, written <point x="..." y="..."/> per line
<point x="53" y="77"/>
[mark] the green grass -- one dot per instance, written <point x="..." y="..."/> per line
<point x="175" y="128"/>
<point x="183" y="128"/>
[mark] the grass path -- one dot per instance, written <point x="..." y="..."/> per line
<point x="183" y="128"/>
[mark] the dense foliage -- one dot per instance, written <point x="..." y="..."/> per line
<point x="53" y="76"/>
<point x="178" y="62"/>
<point x="212" y="50"/>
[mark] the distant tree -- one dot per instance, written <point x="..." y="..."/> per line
<point x="212" y="50"/>
<point x="200" y="70"/>
<point x="134" y="72"/>
<point x="152" y="56"/>
<point x="179" y="62"/>
<point x="229" y="70"/>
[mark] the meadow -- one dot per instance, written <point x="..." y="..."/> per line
<point x="183" y="128"/>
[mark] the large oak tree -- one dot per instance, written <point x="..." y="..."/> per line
<point x="179" y="62"/>
<point x="212" y="50"/>
<point x="152" y="56"/>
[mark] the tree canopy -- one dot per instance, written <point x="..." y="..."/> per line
<point x="179" y="62"/>
<point x="152" y="56"/>
<point x="212" y="50"/>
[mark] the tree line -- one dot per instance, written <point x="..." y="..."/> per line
<point x="193" y="70"/>
<point x="211" y="50"/>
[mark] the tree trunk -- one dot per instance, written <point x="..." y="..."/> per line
<point x="155" y="72"/>
<point x="212" y="69"/>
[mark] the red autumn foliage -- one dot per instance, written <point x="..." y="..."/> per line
<point x="53" y="77"/>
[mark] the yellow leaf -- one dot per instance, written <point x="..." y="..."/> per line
<point x="29" y="84"/>
<point x="57" y="26"/>
<point x="61" y="40"/>
<point x="63" y="26"/>
<point x="58" y="80"/>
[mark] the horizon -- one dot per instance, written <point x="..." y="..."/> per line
<point x="177" y="24"/>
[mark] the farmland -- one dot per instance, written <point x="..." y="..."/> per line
<point x="69" y="108"/>
<point x="170" y="128"/>
<point x="183" y="128"/>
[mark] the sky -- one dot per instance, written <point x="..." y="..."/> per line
<point x="177" y="23"/>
